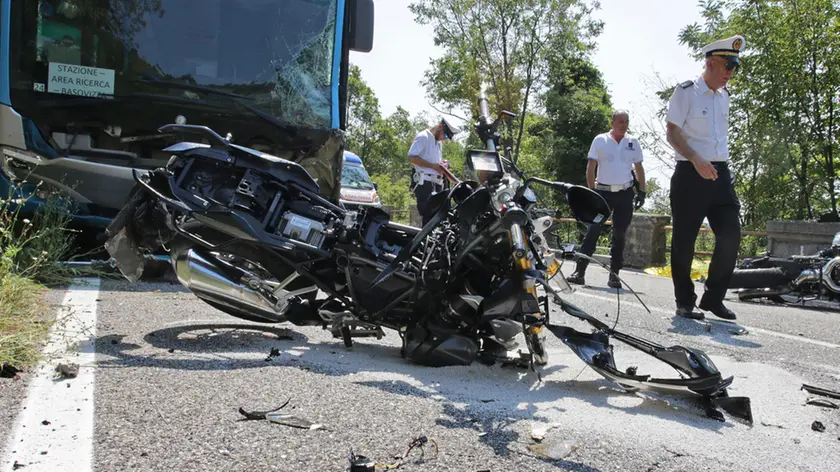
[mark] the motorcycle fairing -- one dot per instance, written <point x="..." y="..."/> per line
<point x="700" y="377"/>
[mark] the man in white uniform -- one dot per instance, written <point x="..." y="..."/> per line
<point x="615" y="154"/>
<point x="426" y="155"/>
<point x="703" y="185"/>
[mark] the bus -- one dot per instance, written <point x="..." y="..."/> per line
<point x="86" y="84"/>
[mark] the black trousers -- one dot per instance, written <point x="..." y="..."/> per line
<point x="622" y="212"/>
<point x="422" y="194"/>
<point x="694" y="198"/>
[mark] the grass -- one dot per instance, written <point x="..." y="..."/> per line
<point x="22" y="322"/>
<point x="30" y="252"/>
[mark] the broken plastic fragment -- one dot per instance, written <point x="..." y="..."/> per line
<point x="821" y="391"/>
<point x="538" y="431"/>
<point x="293" y="421"/>
<point x="361" y="464"/>
<point x="261" y="415"/>
<point x="822" y="403"/>
<point x="555" y="450"/>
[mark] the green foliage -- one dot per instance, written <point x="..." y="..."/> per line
<point x="657" y="200"/>
<point x="509" y="44"/>
<point x="578" y="108"/>
<point x="29" y="253"/>
<point x="32" y="248"/>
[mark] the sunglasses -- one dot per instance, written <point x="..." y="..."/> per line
<point x="731" y="65"/>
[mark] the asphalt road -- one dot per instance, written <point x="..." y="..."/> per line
<point x="172" y="373"/>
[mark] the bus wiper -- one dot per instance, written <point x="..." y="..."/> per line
<point x="233" y="97"/>
<point x="191" y="87"/>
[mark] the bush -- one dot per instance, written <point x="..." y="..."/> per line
<point x="30" y="252"/>
<point x="32" y="248"/>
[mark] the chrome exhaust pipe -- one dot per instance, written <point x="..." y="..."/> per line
<point x="208" y="281"/>
<point x="806" y="276"/>
<point x="827" y="275"/>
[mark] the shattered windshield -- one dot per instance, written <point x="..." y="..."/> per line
<point x="276" y="53"/>
<point x="355" y="177"/>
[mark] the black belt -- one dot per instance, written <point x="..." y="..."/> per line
<point x="716" y="164"/>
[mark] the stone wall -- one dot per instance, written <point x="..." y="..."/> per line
<point x="788" y="238"/>
<point x="645" y="244"/>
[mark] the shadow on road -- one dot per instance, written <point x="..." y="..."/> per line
<point x="720" y="331"/>
<point x="493" y="411"/>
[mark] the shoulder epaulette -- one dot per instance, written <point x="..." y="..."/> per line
<point x="687" y="83"/>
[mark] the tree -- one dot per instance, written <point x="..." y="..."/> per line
<point x="363" y="114"/>
<point x="578" y="108"/>
<point x="507" y="43"/>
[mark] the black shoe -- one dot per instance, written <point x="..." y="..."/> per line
<point x="576" y="278"/>
<point x="614" y="282"/>
<point x="687" y="311"/>
<point x="720" y="311"/>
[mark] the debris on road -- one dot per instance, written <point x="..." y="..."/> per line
<point x="554" y="449"/>
<point x="822" y="403"/>
<point x="281" y="418"/>
<point x="68" y="371"/>
<point x="8" y="372"/>
<point x="818" y="426"/>
<point x="273" y="353"/>
<point x="538" y="431"/>
<point x="293" y="421"/>
<point x="261" y="415"/>
<point x="363" y="464"/>
<point x="360" y="463"/>
<point x="821" y="391"/>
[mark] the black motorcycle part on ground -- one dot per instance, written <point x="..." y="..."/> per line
<point x="788" y="265"/>
<point x="759" y="278"/>
<point x="434" y="346"/>
<point x="704" y="379"/>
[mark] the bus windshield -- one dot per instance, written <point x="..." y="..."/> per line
<point x="276" y="54"/>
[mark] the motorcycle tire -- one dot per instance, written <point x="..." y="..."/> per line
<point x="759" y="278"/>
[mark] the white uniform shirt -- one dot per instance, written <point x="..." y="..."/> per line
<point x="703" y="116"/>
<point x="429" y="149"/>
<point x="615" y="159"/>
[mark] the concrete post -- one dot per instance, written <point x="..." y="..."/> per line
<point x="414" y="218"/>
<point x="645" y="244"/>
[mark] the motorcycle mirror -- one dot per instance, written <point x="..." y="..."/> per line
<point x="587" y="205"/>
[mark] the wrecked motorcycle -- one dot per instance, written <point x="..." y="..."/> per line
<point x="814" y="277"/>
<point x="249" y="234"/>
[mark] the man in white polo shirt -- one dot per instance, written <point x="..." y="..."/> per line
<point x="703" y="186"/>
<point x="426" y="155"/>
<point x="615" y="154"/>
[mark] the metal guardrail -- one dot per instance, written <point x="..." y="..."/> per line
<point x="703" y="229"/>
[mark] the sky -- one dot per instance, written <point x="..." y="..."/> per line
<point x="639" y="40"/>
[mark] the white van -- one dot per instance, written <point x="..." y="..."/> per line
<point x="357" y="189"/>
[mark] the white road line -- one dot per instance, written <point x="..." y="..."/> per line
<point x="722" y="323"/>
<point x="66" y="443"/>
